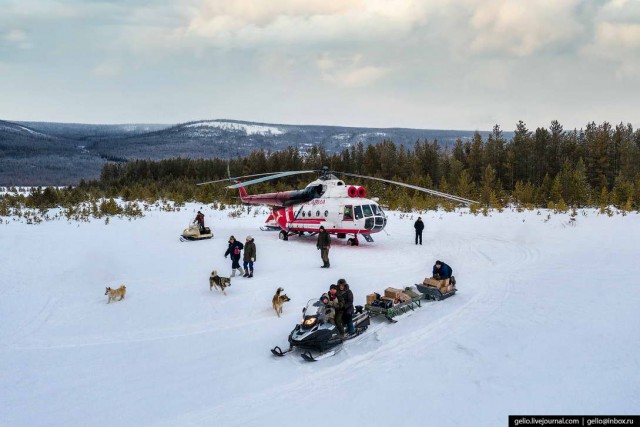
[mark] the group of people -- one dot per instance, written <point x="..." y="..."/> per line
<point x="339" y="307"/>
<point x="342" y="313"/>
<point x="235" y="251"/>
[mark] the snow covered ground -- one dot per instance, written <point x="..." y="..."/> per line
<point x="545" y="322"/>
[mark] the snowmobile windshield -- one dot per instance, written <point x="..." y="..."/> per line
<point x="314" y="308"/>
<point x="314" y="313"/>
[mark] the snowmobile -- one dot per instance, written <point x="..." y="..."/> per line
<point x="193" y="233"/>
<point x="316" y="335"/>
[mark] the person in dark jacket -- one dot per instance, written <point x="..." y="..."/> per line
<point x="234" y="250"/>
<point x="442" y="277"/>
<point x="249" y="257"/>
<point x="419" y="226"/>
<point x="345" y="294"/>
<point x="442" y="271"/>
<point x="324" y="244"/>
<point x="338" y="306"/>
<point x="200" y="220"/>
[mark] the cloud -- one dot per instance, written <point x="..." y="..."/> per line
<point x="618" y="43"/>
<point x="16" y="38"/>
<point x="250" y="23"/>
<point x="522" y="28"/>
<point x="107" y="70"/>
<point x="349" y="71"/>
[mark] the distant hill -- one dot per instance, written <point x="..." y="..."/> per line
<point x="38" y="153"/>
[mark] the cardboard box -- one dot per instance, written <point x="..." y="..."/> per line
<point x="371" y="298"/>
<point x="404" y="297"/>
<point x="392" y="293"/>
<point x="432" y="282"/>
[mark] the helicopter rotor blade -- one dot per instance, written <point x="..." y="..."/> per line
<point x="234" y="178"/>
<point x="415" y="187"/>
<point x="267" y="178"/>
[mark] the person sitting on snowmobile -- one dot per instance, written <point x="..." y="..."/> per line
<point x="234" y="250"/>
<point x="200" y="220"/>
<point x="338" y="308"/>
<point x="345" y="294"/>
<point x="329" y="310"/>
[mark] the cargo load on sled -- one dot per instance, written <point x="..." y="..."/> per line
<point x="438" y="289"/>
<point x="393" y="303"/>
<point x="318" y="338"/>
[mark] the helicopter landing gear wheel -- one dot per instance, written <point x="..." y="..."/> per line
<point x="352" y="241"/>
<point x="283" y="235"/>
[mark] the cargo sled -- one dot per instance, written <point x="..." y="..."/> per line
<point x="394" y="303"/>
<point x="435" y="293"/>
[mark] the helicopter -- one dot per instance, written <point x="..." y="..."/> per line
<point x="340" y="208"/>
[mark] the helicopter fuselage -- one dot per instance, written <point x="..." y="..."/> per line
<point x="328" y="202"/>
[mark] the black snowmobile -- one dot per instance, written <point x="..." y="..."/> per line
<point x="316" y="335"/>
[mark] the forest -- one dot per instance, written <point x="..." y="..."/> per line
<point x="542" y="168"/>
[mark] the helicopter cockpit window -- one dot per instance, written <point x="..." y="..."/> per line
<point x="375" y="210"/>
<point x="358" y="212"/>
<point x="348" y="213"/>
<point x="367" y="210"/>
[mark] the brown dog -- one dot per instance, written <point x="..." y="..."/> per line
<point x="115" y="293"/>
<point x="278" y="301"/>
<point x="216" y="281"/>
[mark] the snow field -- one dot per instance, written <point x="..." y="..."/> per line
<point x="545" y="322"/>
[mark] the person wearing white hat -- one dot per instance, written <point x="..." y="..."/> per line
<point x="249" y="256"/>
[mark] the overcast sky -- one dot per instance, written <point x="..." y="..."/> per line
<point x="443" y="64"/>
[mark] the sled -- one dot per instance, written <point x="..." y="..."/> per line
<point x="433" y="293"/>
<point x="396" y="309"/>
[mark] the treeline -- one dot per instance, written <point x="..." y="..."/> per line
<point x="545" y="167"/>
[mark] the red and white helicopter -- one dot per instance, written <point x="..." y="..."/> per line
<point x="340" y="208"/>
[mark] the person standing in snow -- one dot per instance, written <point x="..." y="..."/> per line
<point x="346" y="296"/>
<point x="234" y="250"/>
<point x="200" y="220"/>
<point x="324" y="244"/>
<point x="419" y="226"/>
<point x="249" y="257"/>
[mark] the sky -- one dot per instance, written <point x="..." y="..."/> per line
<point x="439" y="64"/>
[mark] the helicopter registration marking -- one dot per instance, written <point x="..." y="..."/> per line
<point x="317" y="202"/>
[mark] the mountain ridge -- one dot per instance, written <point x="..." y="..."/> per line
<point x="50" y="153"/>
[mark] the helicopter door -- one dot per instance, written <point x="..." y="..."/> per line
<point x="358" y="212"/>
<point x="348" y="213"/>
<point x="369" y="222"/>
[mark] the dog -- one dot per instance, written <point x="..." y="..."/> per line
<point x="278" y="301"/>
<point x="115" y="293"/>
<point x="216" y="281"/>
